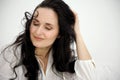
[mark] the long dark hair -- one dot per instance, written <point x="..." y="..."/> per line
<point x="63" y="55"/>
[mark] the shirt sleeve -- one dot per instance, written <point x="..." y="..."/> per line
<point x="5" y="69"/>
<point x="85" y="69"/>
<point x="7" y="62"/>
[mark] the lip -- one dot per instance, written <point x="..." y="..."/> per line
<point x="38" y="38"/>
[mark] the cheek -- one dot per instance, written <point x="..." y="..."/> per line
<point x="32" y="30"/>
<point x="52" y="35"/>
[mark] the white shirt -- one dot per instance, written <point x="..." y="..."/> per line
<point x="84" y="70"/>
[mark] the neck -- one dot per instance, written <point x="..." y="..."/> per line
<point x="42" y="53"/>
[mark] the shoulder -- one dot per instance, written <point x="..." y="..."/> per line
<point x="85" y="69"/>
<point x="10" y="51"/>
<point x="9" y="55"/>
<point x="8" y="58"/>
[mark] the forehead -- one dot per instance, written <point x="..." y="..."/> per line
<point x="46" y="15"/>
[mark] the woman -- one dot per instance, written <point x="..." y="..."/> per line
<point x="43" y="51"/>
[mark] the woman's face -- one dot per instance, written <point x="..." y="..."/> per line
<point x="44" y="28"/>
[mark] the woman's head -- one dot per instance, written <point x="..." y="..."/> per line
<point x="44" y="28"/>
<point x="59" y="14"/>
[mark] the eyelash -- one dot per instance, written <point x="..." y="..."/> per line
<point x="48" y="28"/>
<point x="37" y="24"/>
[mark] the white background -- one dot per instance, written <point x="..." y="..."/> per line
<point x="99" y="24"/>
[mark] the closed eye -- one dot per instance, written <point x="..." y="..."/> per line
<point x="48" y="26"/>
<point x="35" y="22"/>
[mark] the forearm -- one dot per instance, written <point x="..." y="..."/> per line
<point x="81" y="48"/>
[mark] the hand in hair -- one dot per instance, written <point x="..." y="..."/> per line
<point x="82" y="51"/>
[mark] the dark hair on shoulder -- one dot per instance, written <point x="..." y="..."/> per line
<point x="63" y="55"/>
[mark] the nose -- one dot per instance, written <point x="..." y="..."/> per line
<point x="39" y="30"/>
